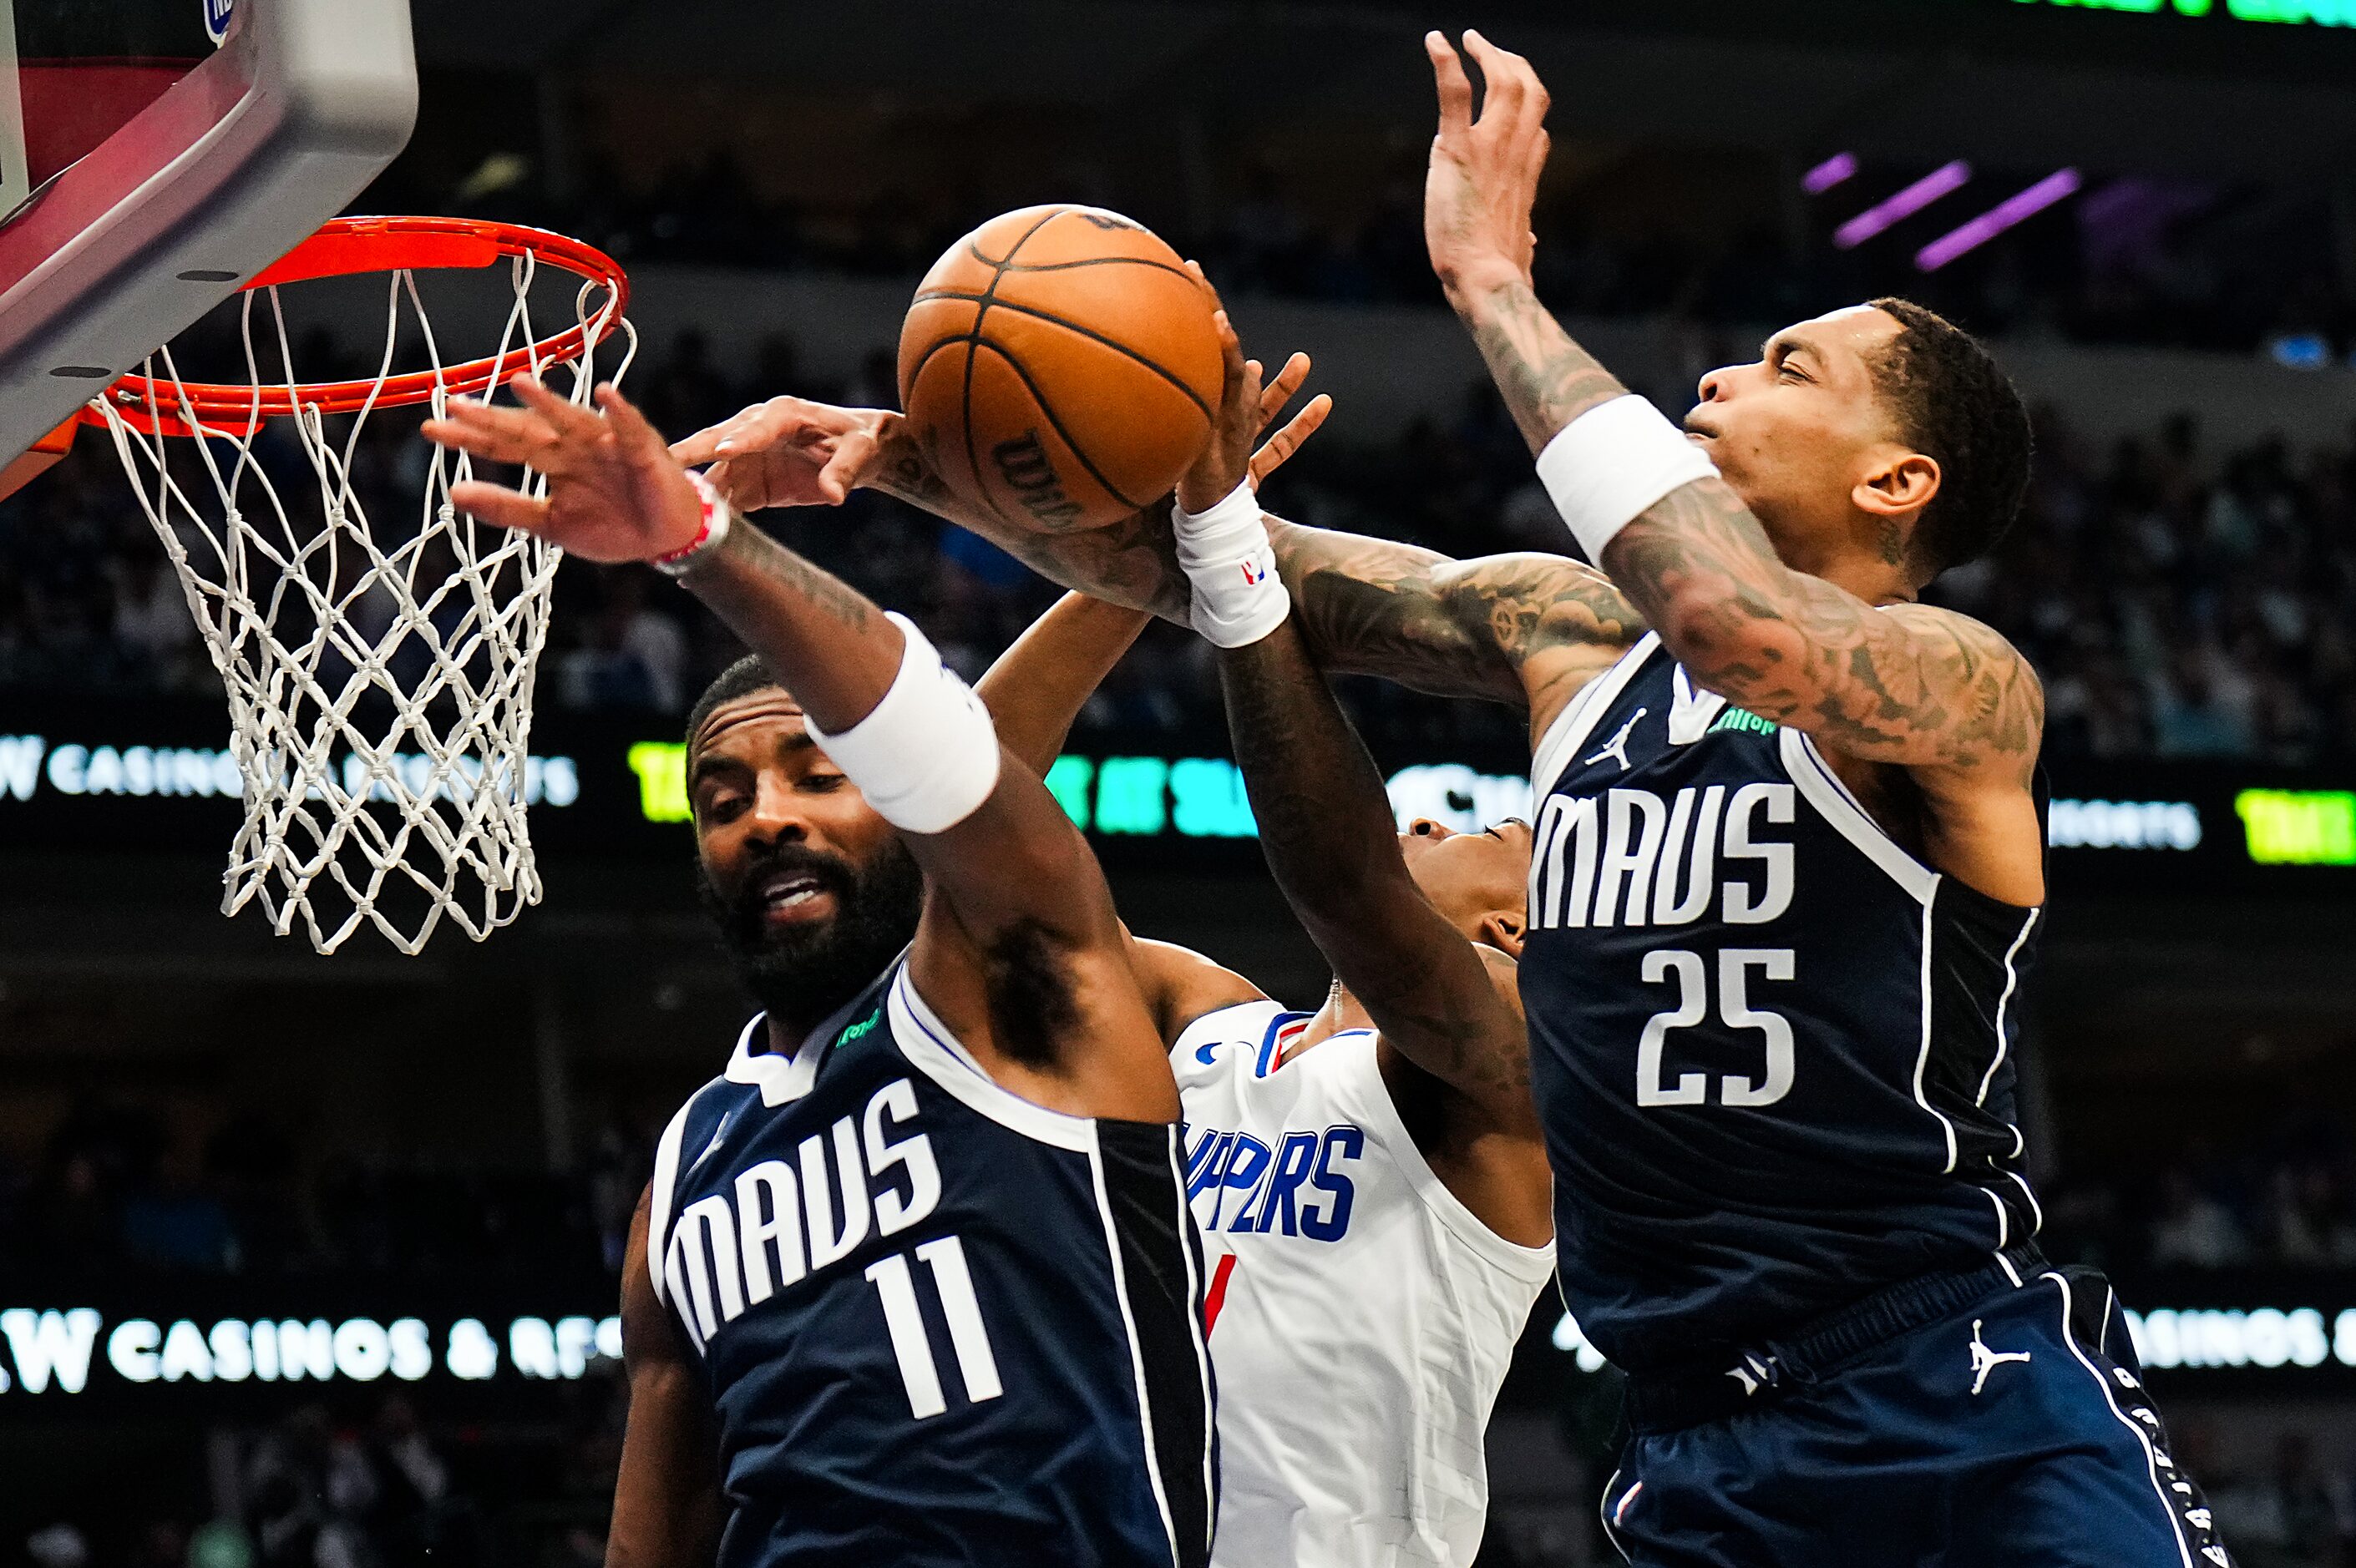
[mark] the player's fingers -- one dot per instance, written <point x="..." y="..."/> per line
<point x="499" y="505"/>
<point x="1280" y="391"/>
<point x="486" y="440"/>
<point x="704" y="446"/>
<point x="1233" y="367"/>
<point x="640" y="441"/>
<point x="842" y="471"/>
<point x="562" y="415"/>
<point x="1202" y="281"/>
<point x="1455" y="87"/>
<point x="1279" y="448"/>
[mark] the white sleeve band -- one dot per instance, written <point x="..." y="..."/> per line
<point x="1608" y="465"/>
<point x="927" y="756"/>
<point x="1239" y="596"/>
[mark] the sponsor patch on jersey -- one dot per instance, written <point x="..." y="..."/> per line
<point x="1735" y="717"/>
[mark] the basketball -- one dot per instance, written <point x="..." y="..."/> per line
<point x="1060" y="366"/>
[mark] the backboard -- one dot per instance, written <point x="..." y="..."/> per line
<point x="156" y="155"/>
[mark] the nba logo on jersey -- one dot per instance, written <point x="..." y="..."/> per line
<point x="217" y="18"/>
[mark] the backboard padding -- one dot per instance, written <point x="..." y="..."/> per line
<point x="235" y="164"/>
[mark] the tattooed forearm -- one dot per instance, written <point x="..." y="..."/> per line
<point x="1326" y="827"/>
<point x="1546" y="379"/>
<point x="1905" y="684"/>
<point x="1504" y="628"/>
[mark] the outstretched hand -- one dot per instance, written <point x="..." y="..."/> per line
<point x="790" y="452"/>
<point x="1484" y="174"/>
<point x="1246" y="408"/>
<point x="615" y="493"/>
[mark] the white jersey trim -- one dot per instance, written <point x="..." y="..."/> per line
<point x="1223" y="1026"/>
<point x="1136" y="1348"/>
<point x="1551" y="756"/>
<point x="1923" y="1060"/>
<point x="1527" y="1264"/>
<point x="2011" y="980"/>
<point x="2150" y="1456"/>
<point x="1825" y="791"/>
<point x="779" y="1078"/>
<point x="663" y="1190"/>
<point x="929" y="1046"/>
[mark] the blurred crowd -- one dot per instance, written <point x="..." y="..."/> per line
<point x="372" y="1482"/>
<point x="2285" y="1200"/>
<point x="2179" y="601"/>
<point x="112" y="1187"/>
<point x="2155" y="262"/>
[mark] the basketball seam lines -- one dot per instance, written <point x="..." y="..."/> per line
<point x="975" y="252"/>
<point x="987" y="302"/>
<point x="974" y="344"/>
<point x="1040" y="398"/>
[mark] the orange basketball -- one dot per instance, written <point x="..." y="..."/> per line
<point x="1059" y="367"/>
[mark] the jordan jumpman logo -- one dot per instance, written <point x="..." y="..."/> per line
<point x="1618" y="749"/>
<point x="1985" y="1360"/>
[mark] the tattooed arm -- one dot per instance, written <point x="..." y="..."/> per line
<point x="1326" y="827"/>
<point x="1909" y="685"/>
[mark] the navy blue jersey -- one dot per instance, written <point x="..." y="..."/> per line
<point x="1771" y="1050"/>
<point x="941" y="1324"/>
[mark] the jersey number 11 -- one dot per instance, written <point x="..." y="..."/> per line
<point x="912" y="1345"/>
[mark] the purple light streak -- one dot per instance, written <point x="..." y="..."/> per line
<point x="1939" y="182"/>
<point x="1828" y="174"/>
<point x="2055" y="187"/>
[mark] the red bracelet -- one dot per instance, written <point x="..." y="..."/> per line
<point x="715" y="528"/>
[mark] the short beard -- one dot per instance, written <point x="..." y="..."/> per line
<point x="804" y="973"/>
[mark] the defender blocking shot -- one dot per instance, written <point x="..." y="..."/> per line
<point x="915" y="1280"/>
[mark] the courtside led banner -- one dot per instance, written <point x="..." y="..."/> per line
<point x="55" y="1353"/>
<point x="159" y="776"/>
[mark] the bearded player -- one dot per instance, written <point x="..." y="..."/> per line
<point x="1370" y="1177"/>
<point x="915" y="1280"/>
<point x="1788" y="876"/>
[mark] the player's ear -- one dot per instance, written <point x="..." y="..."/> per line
<point x="1898" y="484"/>
<point x="1503" y="929"/>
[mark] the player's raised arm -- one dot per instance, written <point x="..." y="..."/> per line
<point x="1018" y="906"/>
<point x="1901" y="684"/>
<point x="1524" y="629"/>
<point x="1325" y="821"/>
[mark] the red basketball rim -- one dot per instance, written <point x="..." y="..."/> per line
<point x="347" y="246"/>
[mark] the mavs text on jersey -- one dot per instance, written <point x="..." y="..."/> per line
<point x="1773" y="1050"/>
<point x="939" y="1324"/>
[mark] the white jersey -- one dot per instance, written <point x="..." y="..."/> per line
<point x="1361" y="1318"/>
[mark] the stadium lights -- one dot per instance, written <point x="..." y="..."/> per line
<point x="2056" y="186"/>
<point x="1828" y="174"/>
<point x="1942" y="181"/>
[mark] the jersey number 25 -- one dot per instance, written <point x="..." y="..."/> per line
<point x="1691" y="972"/>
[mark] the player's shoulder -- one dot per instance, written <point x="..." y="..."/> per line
<point x="1973" y="646"/>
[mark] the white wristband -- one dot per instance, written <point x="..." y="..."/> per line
<point x="927" y="756"/>
<point x="1239" y="596"/>
<point x="1606" y="467"/>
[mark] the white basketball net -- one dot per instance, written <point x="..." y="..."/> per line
<point x="379" y="679"/>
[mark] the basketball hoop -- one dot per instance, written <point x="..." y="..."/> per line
<point x="380" y="678"/>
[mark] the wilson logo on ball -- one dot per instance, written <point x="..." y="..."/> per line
<point x="1027" y="470"/>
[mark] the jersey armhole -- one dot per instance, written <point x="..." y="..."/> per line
<point x="1373" y="1090"/>
<point x="662" y="1191"/>
<point x="932" y="1050"/>
<point x="1551" y="756"/>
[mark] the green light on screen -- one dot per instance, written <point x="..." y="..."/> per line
<point x="1211" y="802"/>
<point x="2299" y="828"/>
<point x="1130" y="794"/>
<point x="1067" y="780"/>
<point x="662" y="767"/>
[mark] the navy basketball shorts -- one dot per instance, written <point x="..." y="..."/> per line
<point x="2010" y="1431"/>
